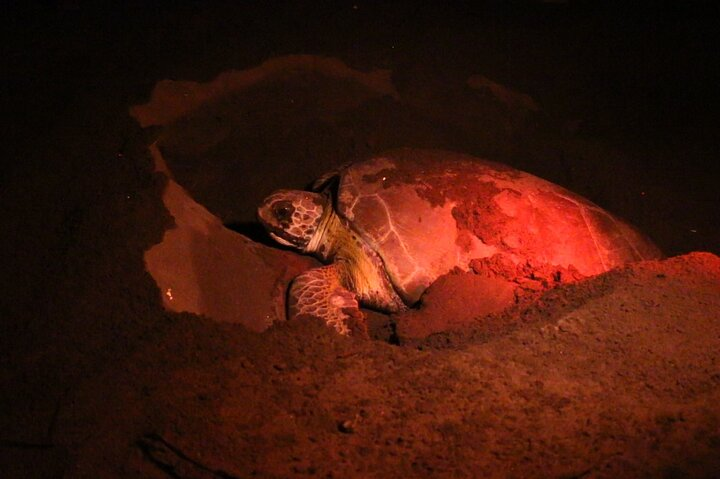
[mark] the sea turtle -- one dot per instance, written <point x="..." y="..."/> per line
<point x="389" y="226"/>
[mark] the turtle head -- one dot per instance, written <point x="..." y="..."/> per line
<point x="292" y="217"/>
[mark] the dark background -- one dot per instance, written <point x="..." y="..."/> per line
<point x="639" y="77"/>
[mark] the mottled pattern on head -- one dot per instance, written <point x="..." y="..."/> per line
<point x="292" y="217"/>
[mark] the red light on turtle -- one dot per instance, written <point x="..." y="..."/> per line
<point x="440" y="211"/>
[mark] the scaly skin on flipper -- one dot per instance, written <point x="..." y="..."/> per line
<point x="331" y="293"/>
<point x="362" y="271"/>
<point x="307" y="221"/>
<point x="319" y="292"/>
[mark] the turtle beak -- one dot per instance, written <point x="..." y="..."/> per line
<point x="282" y="241"/>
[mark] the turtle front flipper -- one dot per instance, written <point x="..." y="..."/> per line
<point x="320" y="293"/>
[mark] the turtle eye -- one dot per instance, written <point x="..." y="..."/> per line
<point x="283" y="210"/>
